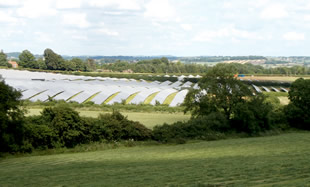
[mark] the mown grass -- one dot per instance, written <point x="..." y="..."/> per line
<point x="282" y="160"/>
<point x="146" y="118"/>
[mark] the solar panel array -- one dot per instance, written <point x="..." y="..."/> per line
<point x="41" y="86"/>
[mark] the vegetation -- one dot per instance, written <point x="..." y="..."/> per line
<point x="298" y="110"/>
<point x="3" y="59"/>
<point x="149" y="118"/>
<point x="223" y="106"/>
<point x="265" y="161"/>
<point x="161" y="65"/>
<point x="11" y="119"/>
<point x="53" y="61"/>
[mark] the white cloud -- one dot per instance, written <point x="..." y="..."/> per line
<point x="118" y="4"/>
<point x="294" y="36"/>
<point x="307" y="17"/>
<point x="6" y="17"/>
<point x="106" y="31"/>
<point x="227" y="33"/>
<point x="36" y="9"/>
<point x="8" y="3"/>
<point x="68" y="4"/>
<point x="186" y="27"/>
<point x="161" y="10"/>
<point x="274" y="11"/>
<point x="258" y="3"/>
<point x="76" y="19"/>
<point x="43" y="37"/>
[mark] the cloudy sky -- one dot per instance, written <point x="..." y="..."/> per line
<point x="156" y="27"/>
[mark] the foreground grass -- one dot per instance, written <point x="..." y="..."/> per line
<point x="282" y="160"/>
<point x="147" y="119"/>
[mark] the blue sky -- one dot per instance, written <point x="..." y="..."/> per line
<point x="157" y="27"/>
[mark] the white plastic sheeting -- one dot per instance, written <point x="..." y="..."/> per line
<point x="141" y="96"/>
<point x="41" y="85"/>
<point x="179" y="98"/>
<point x="162" y="95"/>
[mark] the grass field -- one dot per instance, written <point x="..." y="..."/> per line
<point x="274" y="78"/>
<point x="282" y="160"/>
<point x="147" y="119"/>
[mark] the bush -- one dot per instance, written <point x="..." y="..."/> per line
<point x="298" y="110"/>
<point x="253" y="116"/>
<point x="115" y="126"/>
<point x="11" y="120"/>
<point x="210" y="127"/>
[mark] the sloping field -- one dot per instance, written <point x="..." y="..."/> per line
<point x="268" y="161"/>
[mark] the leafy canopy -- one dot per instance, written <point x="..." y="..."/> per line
<point x="218" y="91"/>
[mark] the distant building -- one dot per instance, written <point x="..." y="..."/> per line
<point x="13" y="63"/>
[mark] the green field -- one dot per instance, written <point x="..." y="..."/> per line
<point x="282" y="160"/>
<point x="147" y="119"/>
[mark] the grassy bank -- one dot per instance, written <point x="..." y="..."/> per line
<point x="282" y="160"/>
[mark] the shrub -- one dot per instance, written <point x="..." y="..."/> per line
<point x="298" y="110"/>
<point x="115" y="126"/>
<point x="11" y="119"/>
<point x="252" y="116"/>
<point x="66" y="124"/>
<point x="210" y="127"/>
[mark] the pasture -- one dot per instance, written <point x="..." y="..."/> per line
<point x="148" y="119"/>
<point x="282" y="160"/>
<point x="274" y="78"/>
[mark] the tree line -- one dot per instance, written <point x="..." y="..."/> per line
<point x="54" y="61"/>
<point x="50" y="61"/>
<point x="161" y="65"/>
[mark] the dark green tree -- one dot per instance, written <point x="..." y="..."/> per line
<point x="79" y="64"/>
<point x="221" y="93"/>
<point x="298" y="110"/>
<point x="53" y="61"/>
<point x="66" y="124"/>
<point x="11" y="119"/>
<point x="27" y="60"/>
<point x="3" y="59"/>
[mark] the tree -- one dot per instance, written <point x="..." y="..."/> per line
<point x="11" y="119"/>
<point x="298" y="110"/>
<point x="27" y="59"/>
<point x="53" y="61"/>
<point x="66" y="124"/>
<point x="3" y="59"/>
<point x="79" y="64"/>
<point x="220" y="92"/>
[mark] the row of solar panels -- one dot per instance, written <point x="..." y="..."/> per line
<point x="259" y="90"/>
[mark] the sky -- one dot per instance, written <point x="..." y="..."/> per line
<point x="157" y="27"/>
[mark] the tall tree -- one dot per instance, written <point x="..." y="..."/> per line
<point x="11" y="119"/>
<point x="220" y="93"/>
<point x="298" y="110"/>
<point x="53" y="61"/>
<point x="27" y="59"/>
<point x="3" y="59"/>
